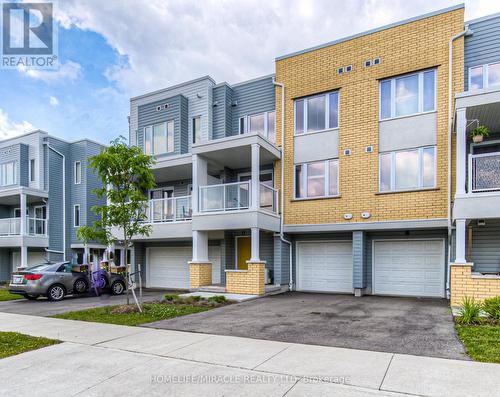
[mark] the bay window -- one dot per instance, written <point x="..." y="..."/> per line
<point x="317" y="113"/>
<point x="407" y="95"/>
<point x="159" y="138"/>
<point x="317" y="179"/>
<point x="484" y="76"/>
<point x="407" y="169"/>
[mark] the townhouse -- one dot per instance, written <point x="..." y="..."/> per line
<point x="45" y="195"/>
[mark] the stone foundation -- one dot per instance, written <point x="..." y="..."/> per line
<point x="464" y="283"/>
<point x="249" y="281"/>
<point x="200" y="274"/>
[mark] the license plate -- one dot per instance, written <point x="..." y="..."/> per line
<point x="17" y="279"/>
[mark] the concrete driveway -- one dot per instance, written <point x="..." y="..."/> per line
<point x="422" y="327"/>
<point x="43" y="307"/>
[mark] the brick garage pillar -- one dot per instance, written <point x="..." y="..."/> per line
<point x="251" y="281"/>
<point x="200" y="274"/>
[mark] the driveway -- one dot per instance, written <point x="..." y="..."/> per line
<point x="43" y="307"/>
<point x="422" y="327"/>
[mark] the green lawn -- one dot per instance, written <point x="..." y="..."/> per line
<point x="152" y="312"/>
<point x="5" y="295"/>
<point x="12" y="343"/>
<point x="481" y="341"/>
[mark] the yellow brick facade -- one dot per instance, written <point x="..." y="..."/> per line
<point x="464" y="284"/>
<point x="200" y="274"/>
<point x="407" y="48"/>
<point x="251" y="281"/>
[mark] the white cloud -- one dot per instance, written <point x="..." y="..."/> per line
<point x="166" y="42"/>
<point x="53" y="101"/>
<point x="68" y="71"/>
<point x="9" y="128"/>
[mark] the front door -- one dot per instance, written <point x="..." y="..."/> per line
<point x="243" y="252"/>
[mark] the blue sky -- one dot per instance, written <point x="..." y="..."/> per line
<point x="112" y="50"/>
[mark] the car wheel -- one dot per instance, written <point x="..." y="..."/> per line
<point x="31" y="297"/>
<point x="80" y="286"/>
<point x="56" y="292"/>
<point x="117" y="287"/>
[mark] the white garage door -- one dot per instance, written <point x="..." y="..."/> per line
<point x="34" y="257"/>
<point x="168" y="267"/>
<point x="324" y="266"/>
<point x="409" y="268"/>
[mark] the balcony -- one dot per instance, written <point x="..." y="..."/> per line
<point x="35" y="233"/>
<point x="484" y="172"/>
<point x="10" y="227"/>
<point x="173" y="209"/>
<point x="225" y="197"/>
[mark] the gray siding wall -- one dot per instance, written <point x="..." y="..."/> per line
<point x="5" y="264"/>
<point x="252" y="97"/>
<point x="23" y="165"/>
<point x="483" y="46"/>
<point x="222" y="111"/>
<point x="281" y="261"/>
<point x="358" y="258"/>
<point x="78" y="192"/>
<point x="180" y="187"/>
<point x="92" y="182"/>
<point x="485" y="247"/>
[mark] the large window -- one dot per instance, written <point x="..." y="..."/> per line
<point x="76" y="215"/>
<point x="407" y="95"/>
<point x="484" y="76"/>
<point x="407" y="169"/>
<point x="196" y="129"/>
<point x="78" y="172"/>
<point x="317" y="113"/>
<point x="261" y="123"/>
<point x="8" y="173"/>
<point x="159" y="138"/>
<point x="317" y="179"/>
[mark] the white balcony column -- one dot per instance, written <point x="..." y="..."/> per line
<point x="200" y="246"/>
<point x="24" y="256"/>
<point x="86" y="254"/>
<point x="255" y="183"/>
<point x="461" y="241"/>
<point x="461" y="160"/>
<point x="255" y="254"/>
<point x="200" y="178"/>
<point x="23" y="228"/>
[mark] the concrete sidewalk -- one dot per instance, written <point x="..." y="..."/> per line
<point x="103" y="359"/>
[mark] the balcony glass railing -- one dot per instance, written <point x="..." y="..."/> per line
<point x="268" y="198"/>
<point x="484" y="172"/>
<point x="173" y="209"/>
<point x="12" y="227"/>
<point x="225" y="197"/>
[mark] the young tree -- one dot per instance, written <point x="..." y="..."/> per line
<point x="125" y="174"/>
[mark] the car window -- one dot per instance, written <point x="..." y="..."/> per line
<point x="40" y="267"/>
<point x="65" y="268"/>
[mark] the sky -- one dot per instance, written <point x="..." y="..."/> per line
<point x="112" y="50"/>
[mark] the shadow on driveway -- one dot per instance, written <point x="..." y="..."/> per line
<point x="422" y="327"/>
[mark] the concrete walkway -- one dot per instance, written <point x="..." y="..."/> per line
<point x="103" y="359"/>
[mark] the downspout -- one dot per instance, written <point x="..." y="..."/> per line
<point x="466" y="32"/>
<point x="63" y="193"/>
<point x="282" y="203"/>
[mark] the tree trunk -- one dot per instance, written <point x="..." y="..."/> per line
<point x="126" y="269"/>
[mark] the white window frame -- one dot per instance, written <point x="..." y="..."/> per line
<point x="79" y="215"/>
<point x="152" y="146"/>
<point x="242" y="121"/>
<point x="420" y="170"/>
<point x="32" y="170"/>
<point x="485" y="74"/>
<point x="245" y="120"/>
<point x="420" y="110"/>
<point x="77" y="164"/>
<point x="327" y="113"/>
<point x="193" y="140"/>
<point x="3" y="173"/>
<point x="327" y="180"/>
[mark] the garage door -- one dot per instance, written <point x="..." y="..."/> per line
<point x="168" y="267"/>
<point x="324" y="266"/>
<point x="34" y="257"/>
<point x="409" y="268"/>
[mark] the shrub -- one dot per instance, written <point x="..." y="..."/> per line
<point x="469" y="312"/>
<point x="218" y="299"/>
<point x="192" y="299"/>
<point x="492" y="307"/>
<point x="171" y="297"/>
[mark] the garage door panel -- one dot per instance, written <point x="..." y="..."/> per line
<point x="409" y="268"/>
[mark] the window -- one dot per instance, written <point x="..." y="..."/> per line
<point x="76" y="215"/>
<point x="242" y="125"/>
<point x="317" y="179"/>
<point x="261" y="123"/>
<point x="78" y="172"/>
<point x="32" y="170"/>
<point x="196" y="129"/>
<point x="159" y="138"/>
<point x="317" y="113"/>
<point x="8" y="173"/>
<point x="407" y="95"/>
<point x="407" y="169"/>
<point x="484" y="76"/>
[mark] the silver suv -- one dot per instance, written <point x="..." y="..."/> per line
<point x="56" y="280"/>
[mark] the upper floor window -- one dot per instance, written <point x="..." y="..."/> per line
<point x="407" y="95"/>
<point x="407" y="169"/>
<point x="317" y="179"/>
<point x="261" y="123"/>
<point x="317" y="113"/>
<point x="78" y="172"/>
<point x="76" y="215"/>
<point x="32" y="170"/>
<point x="196" y="129"/>
<point x="159" y="138"/>
<point x="484" y="76"/>
<point x="8" y="173"/>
